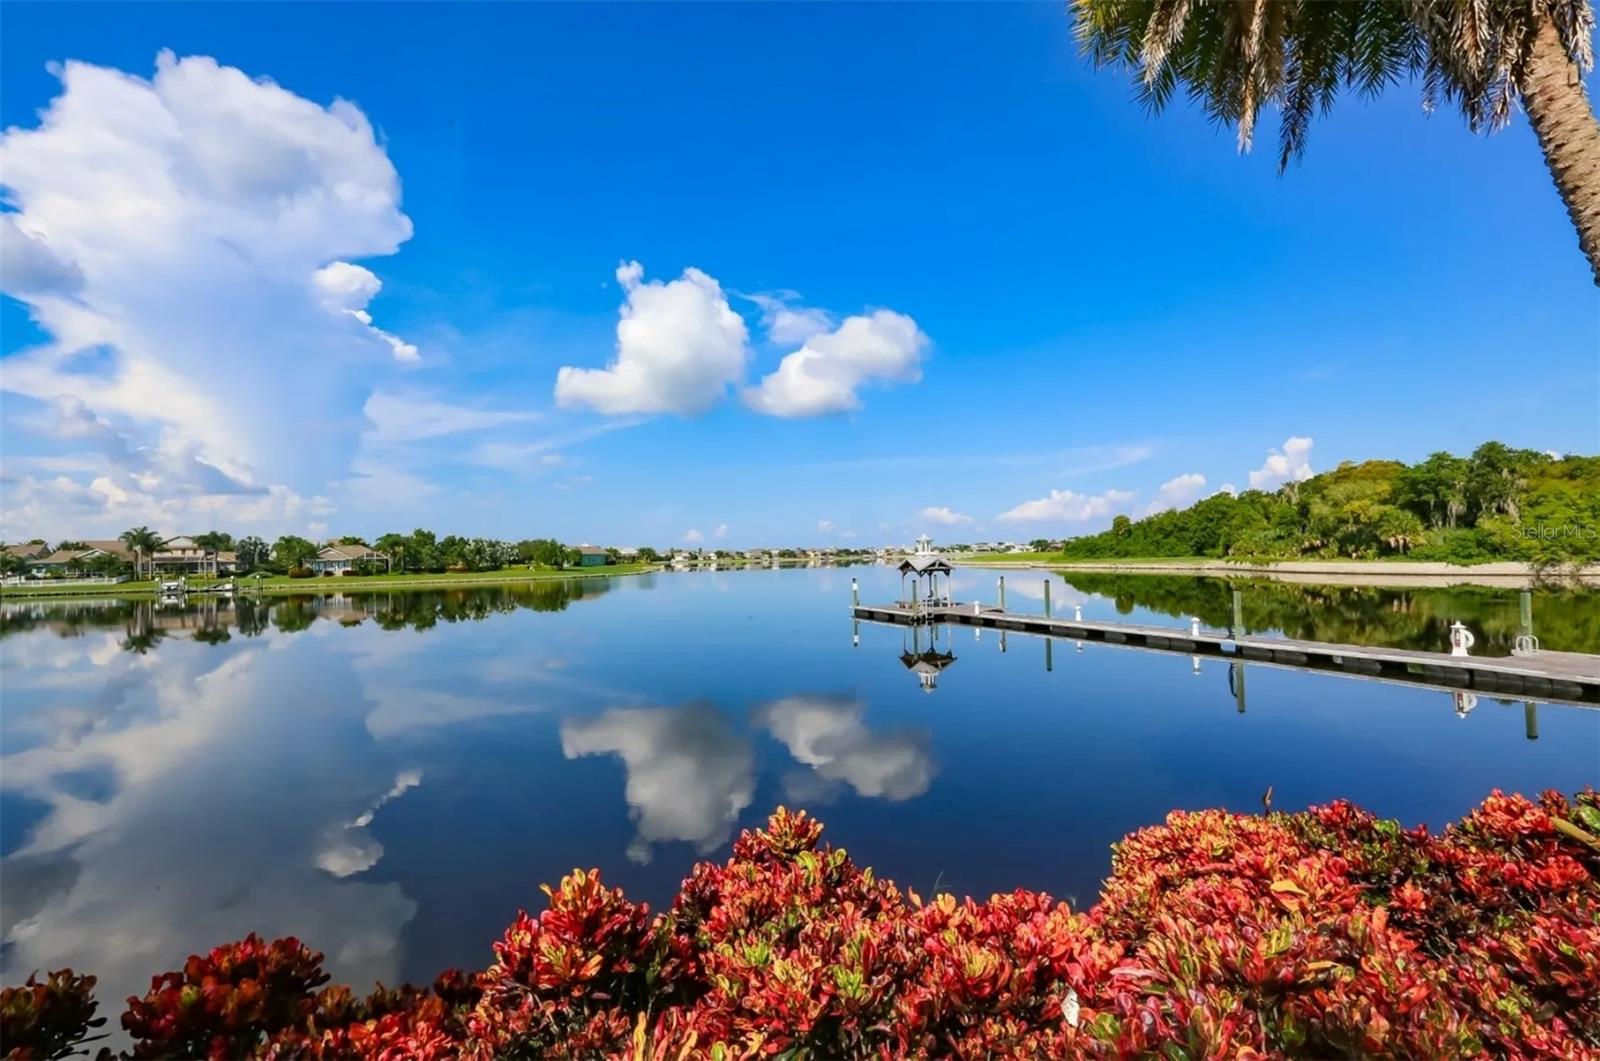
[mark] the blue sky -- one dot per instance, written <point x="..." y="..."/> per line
<point x="942" y="271"/>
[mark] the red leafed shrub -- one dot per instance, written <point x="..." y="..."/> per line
<point x="47" y="1020"/>
<point x="1325" y="933"/>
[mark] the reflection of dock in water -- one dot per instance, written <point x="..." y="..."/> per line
<point x="926" y="663"/>
<point x="1564" y="677"/>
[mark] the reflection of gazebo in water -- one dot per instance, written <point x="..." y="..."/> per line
<point x="926" y="663"/>
<point x="925" y="566"/>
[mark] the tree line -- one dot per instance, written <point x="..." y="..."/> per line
<point x="420" y="551"/>
<point x="1500" y="503"/>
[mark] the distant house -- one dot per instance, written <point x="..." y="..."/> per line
<point x="182" y="555"/>
<point x="61" y="561"/>
<point x="342" y="559"/>
<point x="26" y="551"/>
<point x="591" y="556"/>
<point x="628" y="552"/>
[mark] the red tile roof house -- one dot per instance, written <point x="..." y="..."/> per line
<point x="342" y="559"/>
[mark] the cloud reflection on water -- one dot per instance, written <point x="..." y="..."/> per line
<point x="688" y="774"/>
<point x="828" y="734"/>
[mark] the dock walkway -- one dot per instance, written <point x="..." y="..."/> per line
<point x="1571" y="677"/>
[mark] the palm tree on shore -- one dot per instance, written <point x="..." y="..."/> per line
<point x="394" y="547"/>
<point x="1485" y="56"/>
<point x="144" y="542"/>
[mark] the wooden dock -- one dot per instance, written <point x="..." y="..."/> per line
<point x="1566" y="677"/>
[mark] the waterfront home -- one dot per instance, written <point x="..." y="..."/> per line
<point x="61" y="561"/>
<point x="26" y="551"/>
<point x="342" y="559"/>
<point x="628" y="553"/>
<point x="182" y="555"/>
<point x="591" y="556"/>
<point x="681" y="560"/>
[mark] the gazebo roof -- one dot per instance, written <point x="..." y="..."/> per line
<point x="922" y="563"/>
<point x="927" y="662"/>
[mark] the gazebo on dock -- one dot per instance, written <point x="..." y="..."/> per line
<point x="925" y="566"/>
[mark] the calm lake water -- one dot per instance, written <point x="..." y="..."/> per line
<point x="391" y="775"/>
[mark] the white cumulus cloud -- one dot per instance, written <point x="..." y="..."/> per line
<point x="944" y="516"/>
<point x="785" y="321"/>
<point x="185" y="242"/>
<point x="823" y="375"/>
<point x="679" y="347"/>
<point x="1292" y="464"/>
<point x="1177" y="492"/>
<point x="692" y="535"/>
<point x="1065" y="506"/>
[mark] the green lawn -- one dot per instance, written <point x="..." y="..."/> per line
<point x="1054" y="559"/>
<point x="285" y="584"/>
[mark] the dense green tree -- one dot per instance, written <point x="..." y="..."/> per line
<point x="252" y="552"/>
<point x="1500" y="503"/>
<point x="221" y="541"/>
<point x="422" y="551"/>
<point x="1235" y="58"/>
<point x="546" y="552"/>
<point x="291" y="551"/>
<point x="393" y="546"/>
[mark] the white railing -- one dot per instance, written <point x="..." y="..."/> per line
<point x="93" y="580"/>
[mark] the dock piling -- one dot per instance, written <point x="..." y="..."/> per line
<point x="1002" y="593"/>
<point x="1530" y="719"/>
<point x="1047" y="598"/>
<point x="1238" y="615"/>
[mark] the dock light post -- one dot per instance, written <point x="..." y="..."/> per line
<point x="1461" y="639"/>
<point x="1077" y="614"/>
<point x="1194" y="626"/>
<point x="855" y="634"/>
<point x="1047" y="598"/>
<point x="855" y="594"/>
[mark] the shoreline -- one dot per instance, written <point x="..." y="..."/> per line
<point x="1504" y="574"/>
<point x="325" y="585"/>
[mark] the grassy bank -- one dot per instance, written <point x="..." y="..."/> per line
<point x="1058" y="560"/>
<point x="344" y="584"/>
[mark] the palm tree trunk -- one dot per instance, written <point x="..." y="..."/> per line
<point x="1558" y="109"/>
